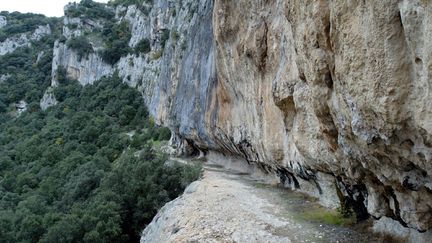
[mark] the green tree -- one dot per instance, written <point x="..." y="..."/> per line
<point x="143" y="46"/>
<point x="117" y="42"/>
<point x="81" y="45"/>
<point x="72" y="174"/>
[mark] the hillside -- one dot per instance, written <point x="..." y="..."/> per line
<point x="331" y="98"/>
<point x="88" y="169"/>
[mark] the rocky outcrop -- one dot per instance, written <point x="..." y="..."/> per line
<point x="333" y="97"/>
<point x="12" y="43"/>
<point x="4" y="77"/>
<point x="385" y="224"/>
<point x="3" y="21"/>
<point x="48" y="100"/>
<point x="86" y="69"/>
<point x="20" y="107"/>
<point x="75" y="26"/>
<point x="331" y="92"/>
<point x="139" y="71"/>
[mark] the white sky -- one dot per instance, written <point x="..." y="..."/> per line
<point x="47" y="7"/>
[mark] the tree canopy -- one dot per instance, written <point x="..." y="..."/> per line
<point x="85" y="170"/>
<point x="73" y="173"/>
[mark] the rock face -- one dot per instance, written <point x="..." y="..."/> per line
<point x="20" y="106"/>
<point x="311" y="88"/>
<point x="48" y="100"/>
<point x="3" y="21"/>
<point x="334" y="97"/>
<point x="85" y="70"/>
<point x="20" y="40"/>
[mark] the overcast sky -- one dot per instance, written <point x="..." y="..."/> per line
<point x="47" y="7"/>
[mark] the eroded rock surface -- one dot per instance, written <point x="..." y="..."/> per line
<point x="86" y="70"/>
<point x="12" y="43"/>
<point x="333" y="97"/>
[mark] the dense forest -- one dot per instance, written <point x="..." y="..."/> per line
<point x="86" y="170"/>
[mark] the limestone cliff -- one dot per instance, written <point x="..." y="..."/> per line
<point x="20" y="40"/>
<point x="330" y="93"/>
<point x="334" y="97"/>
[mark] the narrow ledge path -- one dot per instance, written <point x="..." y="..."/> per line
<point x="229" y="206"/>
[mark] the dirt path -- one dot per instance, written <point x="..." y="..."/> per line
<point x="225" y="206"/>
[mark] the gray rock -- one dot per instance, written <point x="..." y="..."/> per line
<point x="86" y="70"/>
<point x="12" y="43"/>
<point x="4" y="77"/>
<point x="3" y="21"/>
<point x="20" y="106"/>
<point x="48" y="100"/>
<point x="389" y="226"/>
<point x="333" y="98"/>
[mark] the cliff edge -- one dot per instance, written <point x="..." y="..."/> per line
<point x="333" y="97"/>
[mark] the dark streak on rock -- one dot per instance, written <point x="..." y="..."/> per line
<point x="287" y="178"/>
<point x="264" y="46"/>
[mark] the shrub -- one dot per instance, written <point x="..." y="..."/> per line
<point x="23" y="22"/>
<point x="62" y="39"/>
<point x="3" y="107"/>
<point x="114" y="52"/>
<point x="89" y="9"/>
<point x="164" y="134"/>
<point x="143" y="46"/>
<point x="117" y="38"/>
<point x="81" y="46"/>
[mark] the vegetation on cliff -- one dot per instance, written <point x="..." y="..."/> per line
<point x="143" y="5"/>
<point x="85" y="170"/>
<point x="112" y="39"/>
<point x="116" y="36"/>
<point x="21" y="23"/>
<point x="81" y="45"/>
<point x="90" y="9"/>
<point x="28" y="75"/>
